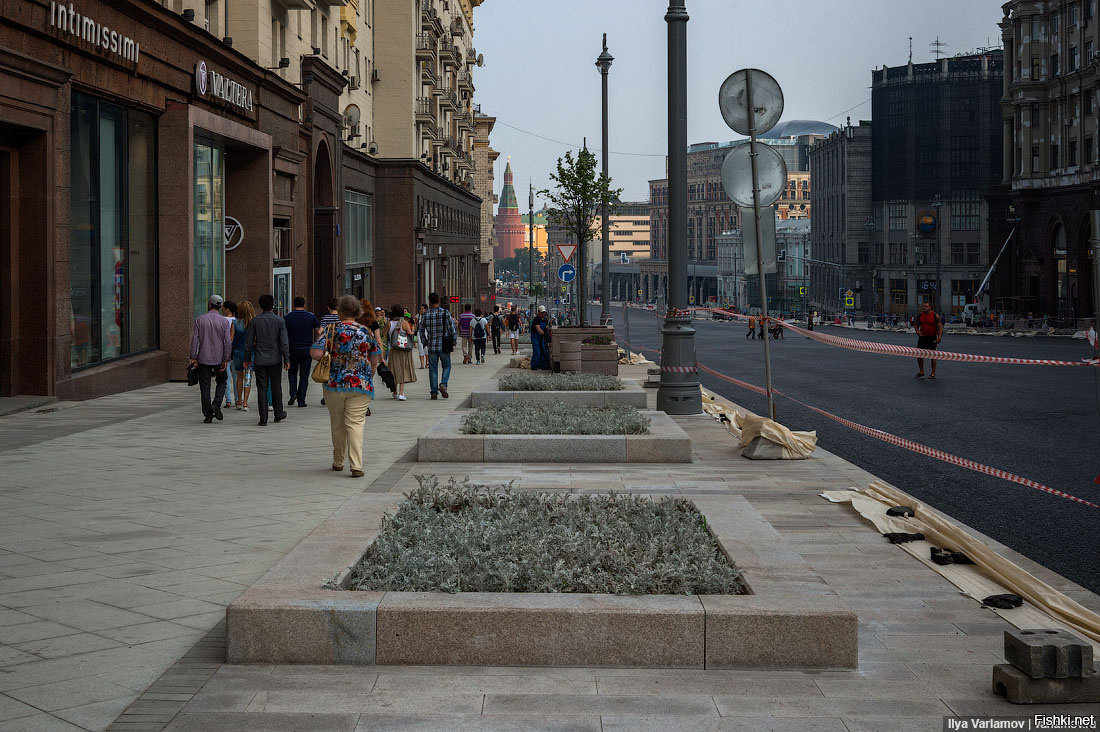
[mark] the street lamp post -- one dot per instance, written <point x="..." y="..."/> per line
<point x="679" y="391"/>
<point x="937" y="204"/>
<point x="603" y="63"/>
<point x="869" y="227"/>
<point x="531" y="247"/>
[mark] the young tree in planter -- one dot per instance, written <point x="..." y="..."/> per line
<point x="574" y="205"/>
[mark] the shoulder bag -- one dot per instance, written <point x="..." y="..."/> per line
<point x="400" y="340"/>
<point x="322" y="371"/>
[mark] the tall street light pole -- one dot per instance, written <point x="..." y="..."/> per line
<point x="603" y="63"/>
<point x="531" y="247"/>
<point x="679" y="390"/>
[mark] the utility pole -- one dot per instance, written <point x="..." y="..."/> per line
<point x="679" y="390"/>
<point x="1094" y="241"/>
<point x="603" y="63"/>
<point x="531" y="245"/>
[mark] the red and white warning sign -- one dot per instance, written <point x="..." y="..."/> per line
<point x="566" y="251"/>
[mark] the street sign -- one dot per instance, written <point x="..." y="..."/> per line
<point x="691" y="299"/>
<point x="771" y="174"/>
<point x="567" y="272"/>
<point x="767" y="246"/>
<point x="849" y="294"/>
<point x="767" y="101"/>
<point x="639" y="293"/>
<point x="566" y="251"/>
<point x="564" y="288"/>
<point x="801" y="290"/>
<point x="849" y="302"/>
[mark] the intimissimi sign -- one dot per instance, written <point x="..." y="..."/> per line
<point x="68" y="20"/>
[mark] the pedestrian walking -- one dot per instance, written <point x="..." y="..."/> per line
<point x="353" y="352"/>
<point x="421" y="348"/>
<point x="479" y="334"/>
<point x="512" y="321"/>
<point x="401" y="337"/>
<point x="267" y="350"/>
<point x="245" y="314"/>
<point x="381" y="329"/>
<point x="302" y="329"/>
<point x="752" y="328"/>
<point x="211" y="349"/>
<point x="929" y="327"/>
<point x="330" y="317"/>
<point x="438" y="331"/>
<point x="464" y="322"/>
<point x="496" y="326"/>
<point x="229" y="310"/>
<point x="540" y="341"/>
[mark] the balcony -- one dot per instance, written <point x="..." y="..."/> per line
<point x="425" y="109"/>
<point x="448" y="54"/>
<point x="427" y="73"/>
<point x="450" y="142"/>
<point x="465" y="81"/>
<point x="427" y="129"/>
<point x="425" y="47"/>
<point x="332" y="3"/>
<point x="448" y="97"/>
<point x="429" y="18"/>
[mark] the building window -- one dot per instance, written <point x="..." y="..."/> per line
<point x="1035" y="115"/>
<point x="957" y="253"/>
<point x="1035" y="28"/>
<point x="1054" y="70"/>
<point x="1072" y="20"/>
<point x="965" y="215"/>
<point x="899" y="253"/>
<point x="1071" y="153"/>
<point x="1034" y="68"/>
<point x="973" y="255"/>
<point x="1055" y="24"/>
<point x="1054" y="157"/>
<point x="1090" y="8"/>
<point x="209" y="243"/>
<point x="1089" y="52"/>
<point x="880" y="255"/>
<point x="1087" y="159"/>
<point x="1072" y="58"/>
<point x="897" y="217"/>
<point x="864" y="253"/>
<point x="112" y="231"/>
<point x="899" y="292"/>
<point x="923" y="252"/>
<point x="1034" y="158"/>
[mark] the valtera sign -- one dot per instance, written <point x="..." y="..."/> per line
<point x="210" y="83"/>
<point x="68" y="20"/>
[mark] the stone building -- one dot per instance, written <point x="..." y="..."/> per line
<point x="485" y="158"/>
<point x="509" y="230"/>
<point x="1051" y="130"/>
<point x="935" y="151"/>
<point x="710" y="211"/>
<point x="167" y="152"/>
<point x="842" y="225"/>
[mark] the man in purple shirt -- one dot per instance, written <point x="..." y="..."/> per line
<point x="211" y="348"/>
<point x="464" y="322"/>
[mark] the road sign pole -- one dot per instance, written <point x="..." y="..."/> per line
<point x="679" y="391"/>
<point x="759" y="238"/>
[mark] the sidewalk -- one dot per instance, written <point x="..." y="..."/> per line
<point x="127" y="525"/>
<point x="116" y="584"/>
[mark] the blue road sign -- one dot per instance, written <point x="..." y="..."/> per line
<point x="567" y="272"/>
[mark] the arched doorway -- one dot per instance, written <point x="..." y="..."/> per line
<point x="324" y="228"/>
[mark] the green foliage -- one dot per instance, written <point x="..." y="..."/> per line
<point x="559" y="382"/>
<point x="520" y="264"/>
<point x="597" y="340"/>
<point x="538" y="290"/>
<point x="555" y="419"/>
<point x="578" y="194"/>
<point x="462" y="537"/>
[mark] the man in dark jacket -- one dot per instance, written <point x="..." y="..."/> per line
<point x="266" y="349"/>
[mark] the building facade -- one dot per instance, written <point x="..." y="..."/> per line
<point x="152" y="155"/>
<point x="485" y="158"/>
<point x="711" y="212"/>
<point x="508" y="227"/>
<point x="935" y="151"/>
<point x="843" y="224"/>
<point x="1050" y="132"/>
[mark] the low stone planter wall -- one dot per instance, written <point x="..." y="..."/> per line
<point x="570" y="357"/>
<point x="631" y="395"/>
<point x="573" y="334"/>
<point x="793" y="619"/>
<point x="446" y="443"/>
<point x="600" y="359"/>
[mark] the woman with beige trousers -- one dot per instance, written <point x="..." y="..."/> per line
<point x="354" y="352"/>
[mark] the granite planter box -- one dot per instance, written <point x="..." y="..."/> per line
<point x="446" y="443"/>
<point x="792" y="619"/>
<point x="631" y="395"/>
<point x="575" y="334"/>
<point x="600" y="359"/>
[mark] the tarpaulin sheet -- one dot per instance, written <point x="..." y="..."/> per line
<point x="991" y="574"/>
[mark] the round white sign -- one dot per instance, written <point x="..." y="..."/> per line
<point x="200" y="77"/>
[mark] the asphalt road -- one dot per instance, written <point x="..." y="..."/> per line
<point x="1038" y="422"/>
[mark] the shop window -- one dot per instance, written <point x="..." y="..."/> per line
<point x="112" y="247"/>
<point x="209" y="244"/>
<point x="899" y="292"/>
<point x="358" y="240"/>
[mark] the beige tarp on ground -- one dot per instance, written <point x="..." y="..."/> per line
<point x="991" y="574"/>
<point x="747" y="427"/>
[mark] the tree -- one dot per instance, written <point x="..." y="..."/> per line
<point x="575" y="204"/>
<point x="538" y="290"/>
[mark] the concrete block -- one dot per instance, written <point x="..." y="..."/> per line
<point x="491" y="398"/>
<point x="657" y="449"/>
<point x="1047" y="653"/>
<point x="451" y="449"/>
<point x="1019" y="688"/>
<point x="322" y="627"/>
<point x="490" y="629"/>
<point x="607" y="368"/>
<point x="555" y="448"/>
<point x="790" y="631"/>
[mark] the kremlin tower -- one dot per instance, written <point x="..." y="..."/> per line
<point x="508" y="226"/>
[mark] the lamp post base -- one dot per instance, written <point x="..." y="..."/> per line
<point x="679" y="390"/>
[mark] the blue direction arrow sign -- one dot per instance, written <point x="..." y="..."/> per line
<point x="567" y="272"/>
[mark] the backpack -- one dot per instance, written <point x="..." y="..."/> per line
<point x="513" y="322"/>
<point x="479" y="329"/>
<point x="495" y="323"/>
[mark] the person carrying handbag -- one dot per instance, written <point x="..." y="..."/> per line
<point x="352" y="352"/>
<point x="402" y="333"/>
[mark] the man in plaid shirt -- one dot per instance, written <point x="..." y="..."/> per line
<point x="435" y="325"/>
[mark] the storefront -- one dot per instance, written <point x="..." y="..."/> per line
<point x="142" y="170"/>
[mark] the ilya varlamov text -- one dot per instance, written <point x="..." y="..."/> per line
<point x="68" y="20"/>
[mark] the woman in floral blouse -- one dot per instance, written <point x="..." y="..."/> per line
<point x="354" y="351"/>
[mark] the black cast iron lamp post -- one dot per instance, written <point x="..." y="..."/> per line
<point x="603" y="63"/>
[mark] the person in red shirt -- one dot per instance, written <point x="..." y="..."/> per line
<point x="929" y="327"/>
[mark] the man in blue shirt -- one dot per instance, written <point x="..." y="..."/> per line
<point x="301" y="330"/>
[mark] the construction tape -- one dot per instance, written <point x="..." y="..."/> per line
<point x="679" y="369"/>
<point x="889" y="349"/>
<point x="901" y="442"/>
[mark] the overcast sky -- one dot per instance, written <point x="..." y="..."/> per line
<point x="540" y="74"/>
